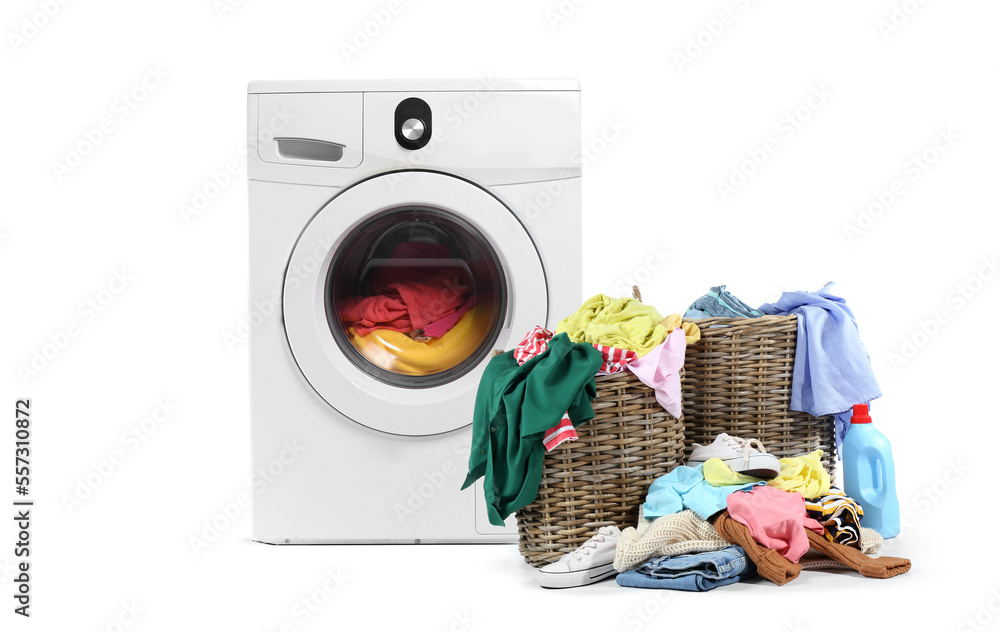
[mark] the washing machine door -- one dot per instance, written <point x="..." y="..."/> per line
<point x="397" y="292"/>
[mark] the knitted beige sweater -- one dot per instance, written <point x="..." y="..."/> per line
<point x="686" y="532"/>
<point x="673" y="534"/>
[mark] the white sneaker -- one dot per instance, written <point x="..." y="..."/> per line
<point x="739" y="454"/>
<point x="591" y="562"/>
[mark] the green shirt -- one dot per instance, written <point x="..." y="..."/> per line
<point x="515" y="405"/>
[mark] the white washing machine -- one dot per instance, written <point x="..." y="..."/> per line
<point x="405" y="230"/>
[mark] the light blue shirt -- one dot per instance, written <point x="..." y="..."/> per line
<point x="686" y="488"/>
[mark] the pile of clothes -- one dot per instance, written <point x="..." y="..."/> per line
<point x="531" y="398"/>
<point x="423" y="315"/>
<point x="732" y="513"/>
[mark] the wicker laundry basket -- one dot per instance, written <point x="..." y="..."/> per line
<point x="601" y="478"/>
<point x="739" y="381"/>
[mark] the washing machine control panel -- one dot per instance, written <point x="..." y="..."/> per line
<point x="412" y="123"/>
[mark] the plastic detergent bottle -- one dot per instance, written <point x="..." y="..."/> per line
<point x="869" y="474"/>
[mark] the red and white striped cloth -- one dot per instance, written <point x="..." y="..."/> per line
<point x="615" y="359"/>
<point x="537" y="342"/>
<point x="560" y="433"/>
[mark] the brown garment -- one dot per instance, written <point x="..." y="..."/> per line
<point x="773" y="566"/>
<point x="770" y="564"/>
<point x="878" y="567"/>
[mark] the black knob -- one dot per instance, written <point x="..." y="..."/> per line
<point x="412" y="123"/>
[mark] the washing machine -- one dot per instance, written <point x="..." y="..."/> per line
<point x="400" y="232"/>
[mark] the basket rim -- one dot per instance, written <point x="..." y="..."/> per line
<point x="735" y="320"/>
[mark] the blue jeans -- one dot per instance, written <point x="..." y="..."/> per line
<point x="695" y="572"/>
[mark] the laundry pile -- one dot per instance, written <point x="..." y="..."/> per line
<point x="422" y="316"/>
<point x="532" y="398"/>
<point x="732" y="513"/>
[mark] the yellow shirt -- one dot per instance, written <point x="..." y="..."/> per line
<point x="692" y="333"/>
<point x="803" y="474"/>
<point x="625" y="323"/>
<point x="395" y="351"/>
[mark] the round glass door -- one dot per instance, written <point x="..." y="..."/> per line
<point x="396" y="292"/>
<point x="415" y="297"/>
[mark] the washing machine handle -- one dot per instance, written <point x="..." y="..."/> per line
<point x="309" y="149"/>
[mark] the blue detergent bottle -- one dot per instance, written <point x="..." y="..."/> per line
<point x="869" y="474"/>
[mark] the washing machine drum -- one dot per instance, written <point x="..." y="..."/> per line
<point x="398" y="291"/>
<point x="416" y="297"/>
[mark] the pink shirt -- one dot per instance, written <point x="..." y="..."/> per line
<point x="776" y="519"/>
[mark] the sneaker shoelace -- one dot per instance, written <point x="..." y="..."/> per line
<point x="745" y="445"/>
<point x="590" y="545"/>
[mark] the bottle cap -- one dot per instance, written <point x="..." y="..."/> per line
<point x="861" y="414"/>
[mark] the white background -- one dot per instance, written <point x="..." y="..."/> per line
<point x="652" y="211"/>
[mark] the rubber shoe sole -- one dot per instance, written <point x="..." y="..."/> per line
<point x="763" y="466"/>
<point x="573" y="579"/>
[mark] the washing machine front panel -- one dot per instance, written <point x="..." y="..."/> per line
<point x="383" y="246"/>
